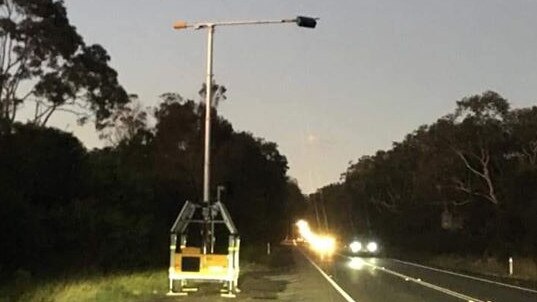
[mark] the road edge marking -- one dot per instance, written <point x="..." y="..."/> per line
<point x="419" y="281"/>
<point x="432" y="286"/>
<point x="343" y="293"/>
<point x="466" y="276"/>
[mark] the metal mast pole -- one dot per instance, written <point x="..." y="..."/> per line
<point x="207" y="155"/>
<point x="301" y="21"/>
<point x="208" y="104"/>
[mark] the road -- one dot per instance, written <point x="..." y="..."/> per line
<point x="386" y="280"/>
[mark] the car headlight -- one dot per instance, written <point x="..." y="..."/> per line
<point x="355" y="246"/>
<point x="372" y="246"/>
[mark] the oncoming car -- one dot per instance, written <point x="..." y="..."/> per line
<point x="362" y="247"/>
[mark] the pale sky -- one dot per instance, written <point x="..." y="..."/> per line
<point x="371" y="72"/>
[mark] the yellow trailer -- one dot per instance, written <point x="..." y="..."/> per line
<point x="188" y="263"/>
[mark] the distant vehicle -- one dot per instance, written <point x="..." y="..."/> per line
<point x="362" y="246"/>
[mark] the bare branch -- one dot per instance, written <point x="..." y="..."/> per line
<point x="13" y="112"/>
<point x="492" y="194"/>
<point x="38" y="113"/>
<point x="462" y="187"/>
<point x="14" y="63"/>
<point x="4" y="71"/>
<point x="4" y="49"/>
<point x="485" y="157"/>
<point x="49" y="114"/>
<point x="8" y="7"/>
<point x="467" y="164"/>
<point x="9" y="51"/>
<point x="75" y="112"/>
<point x="531" y="154"/>
<point x="27" y="95"/>
<point x="533" y="146"/>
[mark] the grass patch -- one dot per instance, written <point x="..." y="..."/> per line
<point x="149" y="285"/>
<point x="135" y="286"/>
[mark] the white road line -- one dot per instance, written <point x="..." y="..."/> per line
<point x="346" y="296"/>
<point x="425" y="284"/>
<point x="467" y="276"/>
<point x="420" y="282"/>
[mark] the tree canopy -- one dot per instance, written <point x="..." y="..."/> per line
<point x="46" y="65"/>
<point x="466" y="183"/>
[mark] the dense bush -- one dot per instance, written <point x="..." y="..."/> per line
<point x="63" y="207"/>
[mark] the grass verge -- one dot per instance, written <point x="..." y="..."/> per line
<point x="148" y="285"/>
<point x="135" y="286"/>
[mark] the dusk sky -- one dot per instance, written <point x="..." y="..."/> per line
<point x="371" y="72"/>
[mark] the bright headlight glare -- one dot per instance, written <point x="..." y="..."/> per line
<point x="355" y="246"/>
<point x="372" y="246"/>
<point x="323" y="244"/>
<point x="356" y="263"/>
<point x="302" y="224"/>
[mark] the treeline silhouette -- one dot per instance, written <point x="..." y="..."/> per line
<point x="63" y="207"/>
<point x="465" y="184"/>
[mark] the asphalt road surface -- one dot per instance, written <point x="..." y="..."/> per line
<point x="387" y="280"/>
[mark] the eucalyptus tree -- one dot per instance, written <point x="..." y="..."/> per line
<point x="45" y="66"/>
<point x="479" y="140"/>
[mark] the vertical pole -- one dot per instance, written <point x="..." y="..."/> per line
<point x="231" y="262"/>
<point x="207" y="157"/>
<point x="219" y="190"/>
<point x="237" y="244"/>
<point x="173" y="247"/>
<point x="208" y="103"/>
<point x="171" y="270"/>
<point x="212" y="239"/>
<point x="510" y="266"/>
<point x="182" y="243"/>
